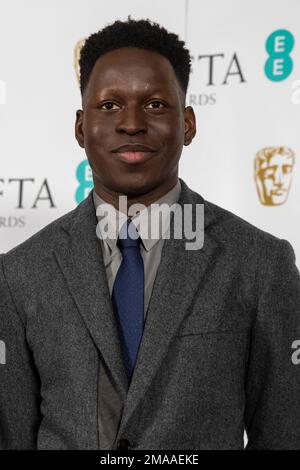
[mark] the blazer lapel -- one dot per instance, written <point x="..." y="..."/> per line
<point x="80" y="258"/>
<point x="178" y="278"/>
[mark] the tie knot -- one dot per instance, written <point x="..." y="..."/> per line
<point x="128" y="236"/>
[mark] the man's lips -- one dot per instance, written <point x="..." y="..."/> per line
<point x="134" y="157"/>
<point x="134" y="153"/>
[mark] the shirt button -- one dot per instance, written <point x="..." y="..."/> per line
<point x="123" y="444"/>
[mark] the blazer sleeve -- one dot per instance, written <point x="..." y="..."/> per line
<point x="19" y="380"/>
<point x="272" y="412"/>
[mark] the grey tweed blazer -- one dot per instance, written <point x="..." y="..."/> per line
<point x="215" y="358"/>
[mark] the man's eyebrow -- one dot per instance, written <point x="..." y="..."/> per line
<point x="148" y="91"/>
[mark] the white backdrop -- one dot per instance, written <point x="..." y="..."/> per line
<point x="252" y="110"/>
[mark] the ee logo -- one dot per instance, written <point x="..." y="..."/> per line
<point x="85" y="180"/>
<point x="279" y="45"/>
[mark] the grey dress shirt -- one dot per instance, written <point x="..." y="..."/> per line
<point x="110" y="404"/>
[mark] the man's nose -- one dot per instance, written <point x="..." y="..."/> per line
<point x="131" y="120"/>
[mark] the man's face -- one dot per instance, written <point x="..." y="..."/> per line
<point x="133" y="97"/>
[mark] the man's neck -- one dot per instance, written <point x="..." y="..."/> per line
<point x="111" y="197"/>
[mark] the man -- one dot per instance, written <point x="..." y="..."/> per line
<point x="140" y="343"/>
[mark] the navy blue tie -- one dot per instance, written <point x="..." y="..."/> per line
<point x="128" y="295"/>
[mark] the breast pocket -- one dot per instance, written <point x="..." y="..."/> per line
<point x="203" y="323"/>
<point x="211" y="352"/>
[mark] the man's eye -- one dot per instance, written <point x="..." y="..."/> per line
<point x="155" y="103"/>
<point x="108" y="105"/>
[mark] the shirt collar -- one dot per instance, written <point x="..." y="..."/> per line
<point x="116" y="218"/>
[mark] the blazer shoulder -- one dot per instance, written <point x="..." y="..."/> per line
<point x="239" y="231"/>
<point x="31" y="265"/>
<point x="256" y="255"/>
<point x="42" y="242"/>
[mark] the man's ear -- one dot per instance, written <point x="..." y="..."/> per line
<point x="79" y="128"/>
<point x="189" y="125"/>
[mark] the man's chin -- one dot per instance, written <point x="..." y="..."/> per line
<point x="135" y="188"/>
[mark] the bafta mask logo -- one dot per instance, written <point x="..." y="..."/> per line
<point x="77" y="50"/>
<point x="273" y="168"/>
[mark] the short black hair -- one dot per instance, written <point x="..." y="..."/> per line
<point x="135" y="33"/>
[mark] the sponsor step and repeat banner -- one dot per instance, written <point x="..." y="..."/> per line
<point x="244" y="88"/>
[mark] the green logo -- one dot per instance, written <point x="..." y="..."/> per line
<point x="279" y="45"/>
<point x="85" y="179"/>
